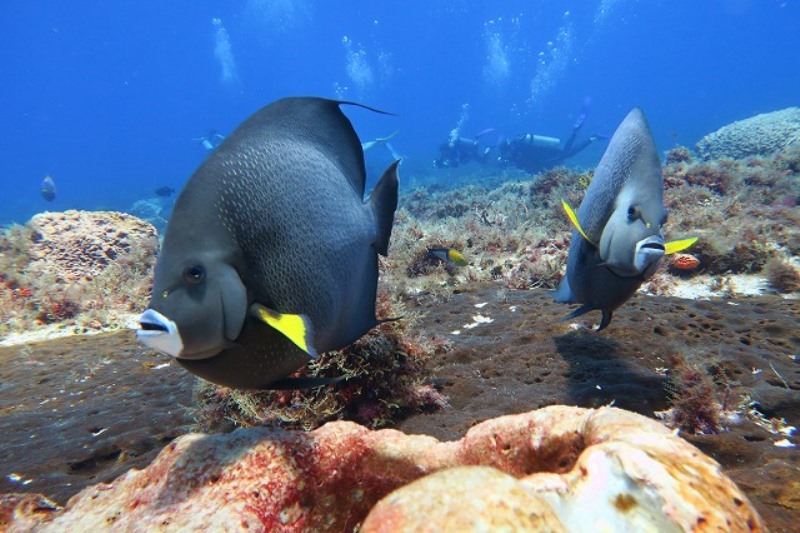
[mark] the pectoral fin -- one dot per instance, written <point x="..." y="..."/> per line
<point x="573" y="217"/>
<point x="296" y="328"/>
<point x="456" y="257"/>
<point x="234" y="302"/>
<point x="680" y="245"/>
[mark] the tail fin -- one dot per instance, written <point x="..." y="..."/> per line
<point x="383" y="202"/>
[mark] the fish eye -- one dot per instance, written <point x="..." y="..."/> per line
<point x="633" y="213"/>
<point x="194" y="274"/>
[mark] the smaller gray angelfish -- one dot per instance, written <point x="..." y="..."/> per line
<point x="618" y="240"/>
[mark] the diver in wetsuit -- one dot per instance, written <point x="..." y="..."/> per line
<point x="210" y="140"/>
<point x="534" y="153"/>
<point x="462" y="150"/>
<point x="531" y="153"/>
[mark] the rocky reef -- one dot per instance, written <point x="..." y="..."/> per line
<point x="760" y="135"/>
<point x="477" y="341"/>
<point x="558" y="469"/>
<point x="85" y="268"/>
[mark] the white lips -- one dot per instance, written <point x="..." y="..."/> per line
<point x="166" y="339"/>
<point x="648" y="253"/>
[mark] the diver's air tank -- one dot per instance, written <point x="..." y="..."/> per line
<point x="542" y="141"/>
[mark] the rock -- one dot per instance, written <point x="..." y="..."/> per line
<point x="789" y="495"/>
<point x="584" y="468"/>
<point x="774" y="400"/>
<point x="755" y="136"/>
<point x="80" y="244"/>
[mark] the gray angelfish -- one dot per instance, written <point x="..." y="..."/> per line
<point x="271" y="254"/>
<point x="618" y="240"/>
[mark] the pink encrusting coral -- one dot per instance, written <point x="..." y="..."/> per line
<point x="583" y="467"/>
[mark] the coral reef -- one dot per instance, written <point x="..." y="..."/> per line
<point x="78" y="245"/>
<point x="76" y="266"/>
<point x="782" y="276"/>
<point x="679" y="154"/>
<point x="760" y="135"/>
<point x="743" y="211"/>
<point x="693" y="399"/>
<point x="514" y="234"/>
<point x="515" y="238"/>
<point x="584" y="467"/>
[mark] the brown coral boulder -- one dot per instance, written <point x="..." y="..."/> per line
<point x="558" y="467"/>
<point x="80" y="244"/>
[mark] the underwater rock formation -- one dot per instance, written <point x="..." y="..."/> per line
<point x="75" y="268"/>
<point x="581" y="467"/>
<point x="80" y="244"/>
<point x="755" y="136"/>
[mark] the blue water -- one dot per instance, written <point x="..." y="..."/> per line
<point x="107" y="96"/>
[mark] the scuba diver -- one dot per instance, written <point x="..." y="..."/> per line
<point x="534" y="153"/>
<point x="210" y="140"/>
<point x="382" y="141"/>
<point x="462" y="150"/>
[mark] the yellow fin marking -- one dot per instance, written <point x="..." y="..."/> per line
<point x="680" y="245"/>
<point x="573" y="217"/>
<point x="296" y="328"/>
<point x="456" y="257"/>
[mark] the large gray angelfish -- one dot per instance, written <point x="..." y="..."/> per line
<point x="618" y="239"/>
<point x="271" y="254"/>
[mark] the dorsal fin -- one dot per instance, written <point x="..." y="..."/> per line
<point x="321" y="122"/>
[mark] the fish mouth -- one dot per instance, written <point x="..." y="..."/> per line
<point x="148" y="326"/>
<point x="656" y="246"/>
<point x="649" y="253"/>
<point x="159" y="333"/>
